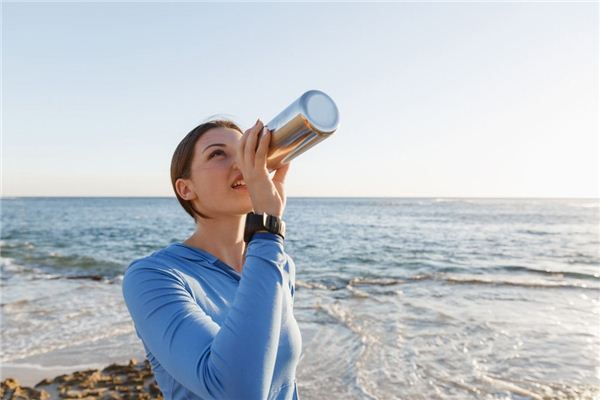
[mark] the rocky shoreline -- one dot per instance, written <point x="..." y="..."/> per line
<point x="130" y="381"/>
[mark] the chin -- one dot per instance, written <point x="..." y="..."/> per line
<point x="239" y="206"/>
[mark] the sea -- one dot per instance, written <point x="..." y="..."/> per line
<point x="396" y="298"/>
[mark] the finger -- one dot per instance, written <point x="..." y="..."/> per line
<point x="263" y="148"/>
<point x="250" y="150"/>
<point x="244" y="141"/>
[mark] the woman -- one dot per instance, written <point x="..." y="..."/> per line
<point x="215" y="314"/>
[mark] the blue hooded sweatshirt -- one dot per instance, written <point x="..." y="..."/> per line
<point x="212" y="333"/>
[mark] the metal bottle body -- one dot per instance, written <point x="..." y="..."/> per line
<point x="309" y="120"/>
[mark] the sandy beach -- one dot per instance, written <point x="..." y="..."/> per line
<point x="133" y="380"/>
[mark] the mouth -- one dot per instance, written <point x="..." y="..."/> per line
<point x="239" y="183"/>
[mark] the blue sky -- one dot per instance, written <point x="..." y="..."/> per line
<point x="435" y="99"/>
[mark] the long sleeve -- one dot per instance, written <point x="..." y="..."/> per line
<point x="292" y="274"/>
<point x="232" y="361"/>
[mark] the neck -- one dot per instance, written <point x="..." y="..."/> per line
<point x="223" y="237"/>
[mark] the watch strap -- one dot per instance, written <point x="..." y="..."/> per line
<point x="263" y="221"/>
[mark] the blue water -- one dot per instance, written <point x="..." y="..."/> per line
<point x="396" y="298"/>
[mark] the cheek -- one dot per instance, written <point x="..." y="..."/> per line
<point x="211" y="180"/>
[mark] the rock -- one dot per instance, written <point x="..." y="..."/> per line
<point x="154" y="390"/>
<point x="11" y="389"/>
<point x="113" y="368"/>
<point x="133" y="380"/>
<point x="72" y="394"/>
<point x="91" y="380"/>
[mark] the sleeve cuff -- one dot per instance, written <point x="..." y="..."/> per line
<point x="268" y="236"/>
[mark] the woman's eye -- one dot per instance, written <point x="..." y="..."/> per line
<point x="214" y="153"/>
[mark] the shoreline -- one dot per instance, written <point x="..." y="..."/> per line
<point x="31" y="374"/>
<point x="114" y="381"/>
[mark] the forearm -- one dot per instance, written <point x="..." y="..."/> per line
<point x="245" y="350"/>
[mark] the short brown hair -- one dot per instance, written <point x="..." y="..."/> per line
<point x="184" y="154"/>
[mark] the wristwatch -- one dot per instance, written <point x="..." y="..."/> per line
<point x="263" y="221"/>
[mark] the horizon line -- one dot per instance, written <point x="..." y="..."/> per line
<point x="322" y="197"/>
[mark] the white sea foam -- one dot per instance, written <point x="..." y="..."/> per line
<point x="9" y="265"/>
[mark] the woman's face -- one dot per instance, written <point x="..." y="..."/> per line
<point x="214" y="169"/>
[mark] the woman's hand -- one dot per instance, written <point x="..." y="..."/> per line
<point x="268" y="195"/>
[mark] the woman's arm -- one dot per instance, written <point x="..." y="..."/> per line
<point x="233" y="361"/>
<point x="291" y="269"/>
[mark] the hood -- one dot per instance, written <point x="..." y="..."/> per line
<point x="196" y="255"/>
<point x="190" y="253"/>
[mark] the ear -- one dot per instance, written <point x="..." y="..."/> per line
<point x="185" y="189"/>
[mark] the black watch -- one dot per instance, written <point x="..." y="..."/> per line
<point x="263" y="221"/>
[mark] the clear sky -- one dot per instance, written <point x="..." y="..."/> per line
<point x="435" y="99"/>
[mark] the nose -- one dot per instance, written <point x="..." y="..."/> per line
<point x="235" y="165"/>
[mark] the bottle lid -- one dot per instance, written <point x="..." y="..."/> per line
<point x="321" y="111"/>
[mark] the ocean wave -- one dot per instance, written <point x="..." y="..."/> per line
<point x="16" y="353"/>
<point x="354" y="259"/>
<point x="313" y="285"/>
<point x="366" y="341"/>
<point x="547" y="272"/>
<point x="9" y="265"/>
<point x="351" y="284"/>
<point x="585" y="205"/>
<point x="15" y="305"/>
<point x="582" y="260"/>
<point x="57" y="264"/>
<point x="524" y="284"/>
<point x="537" y="233"/>
<point x="536" y="390"/>
<point x="57" y="260"/>
<point x="375" y="281"/>
<point x="4" y="245"/>
<point x="90" y="277"/>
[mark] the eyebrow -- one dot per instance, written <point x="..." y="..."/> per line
<point x="214" y="144"/>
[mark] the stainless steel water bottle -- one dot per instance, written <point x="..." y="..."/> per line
<point x="310" y="119"/>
